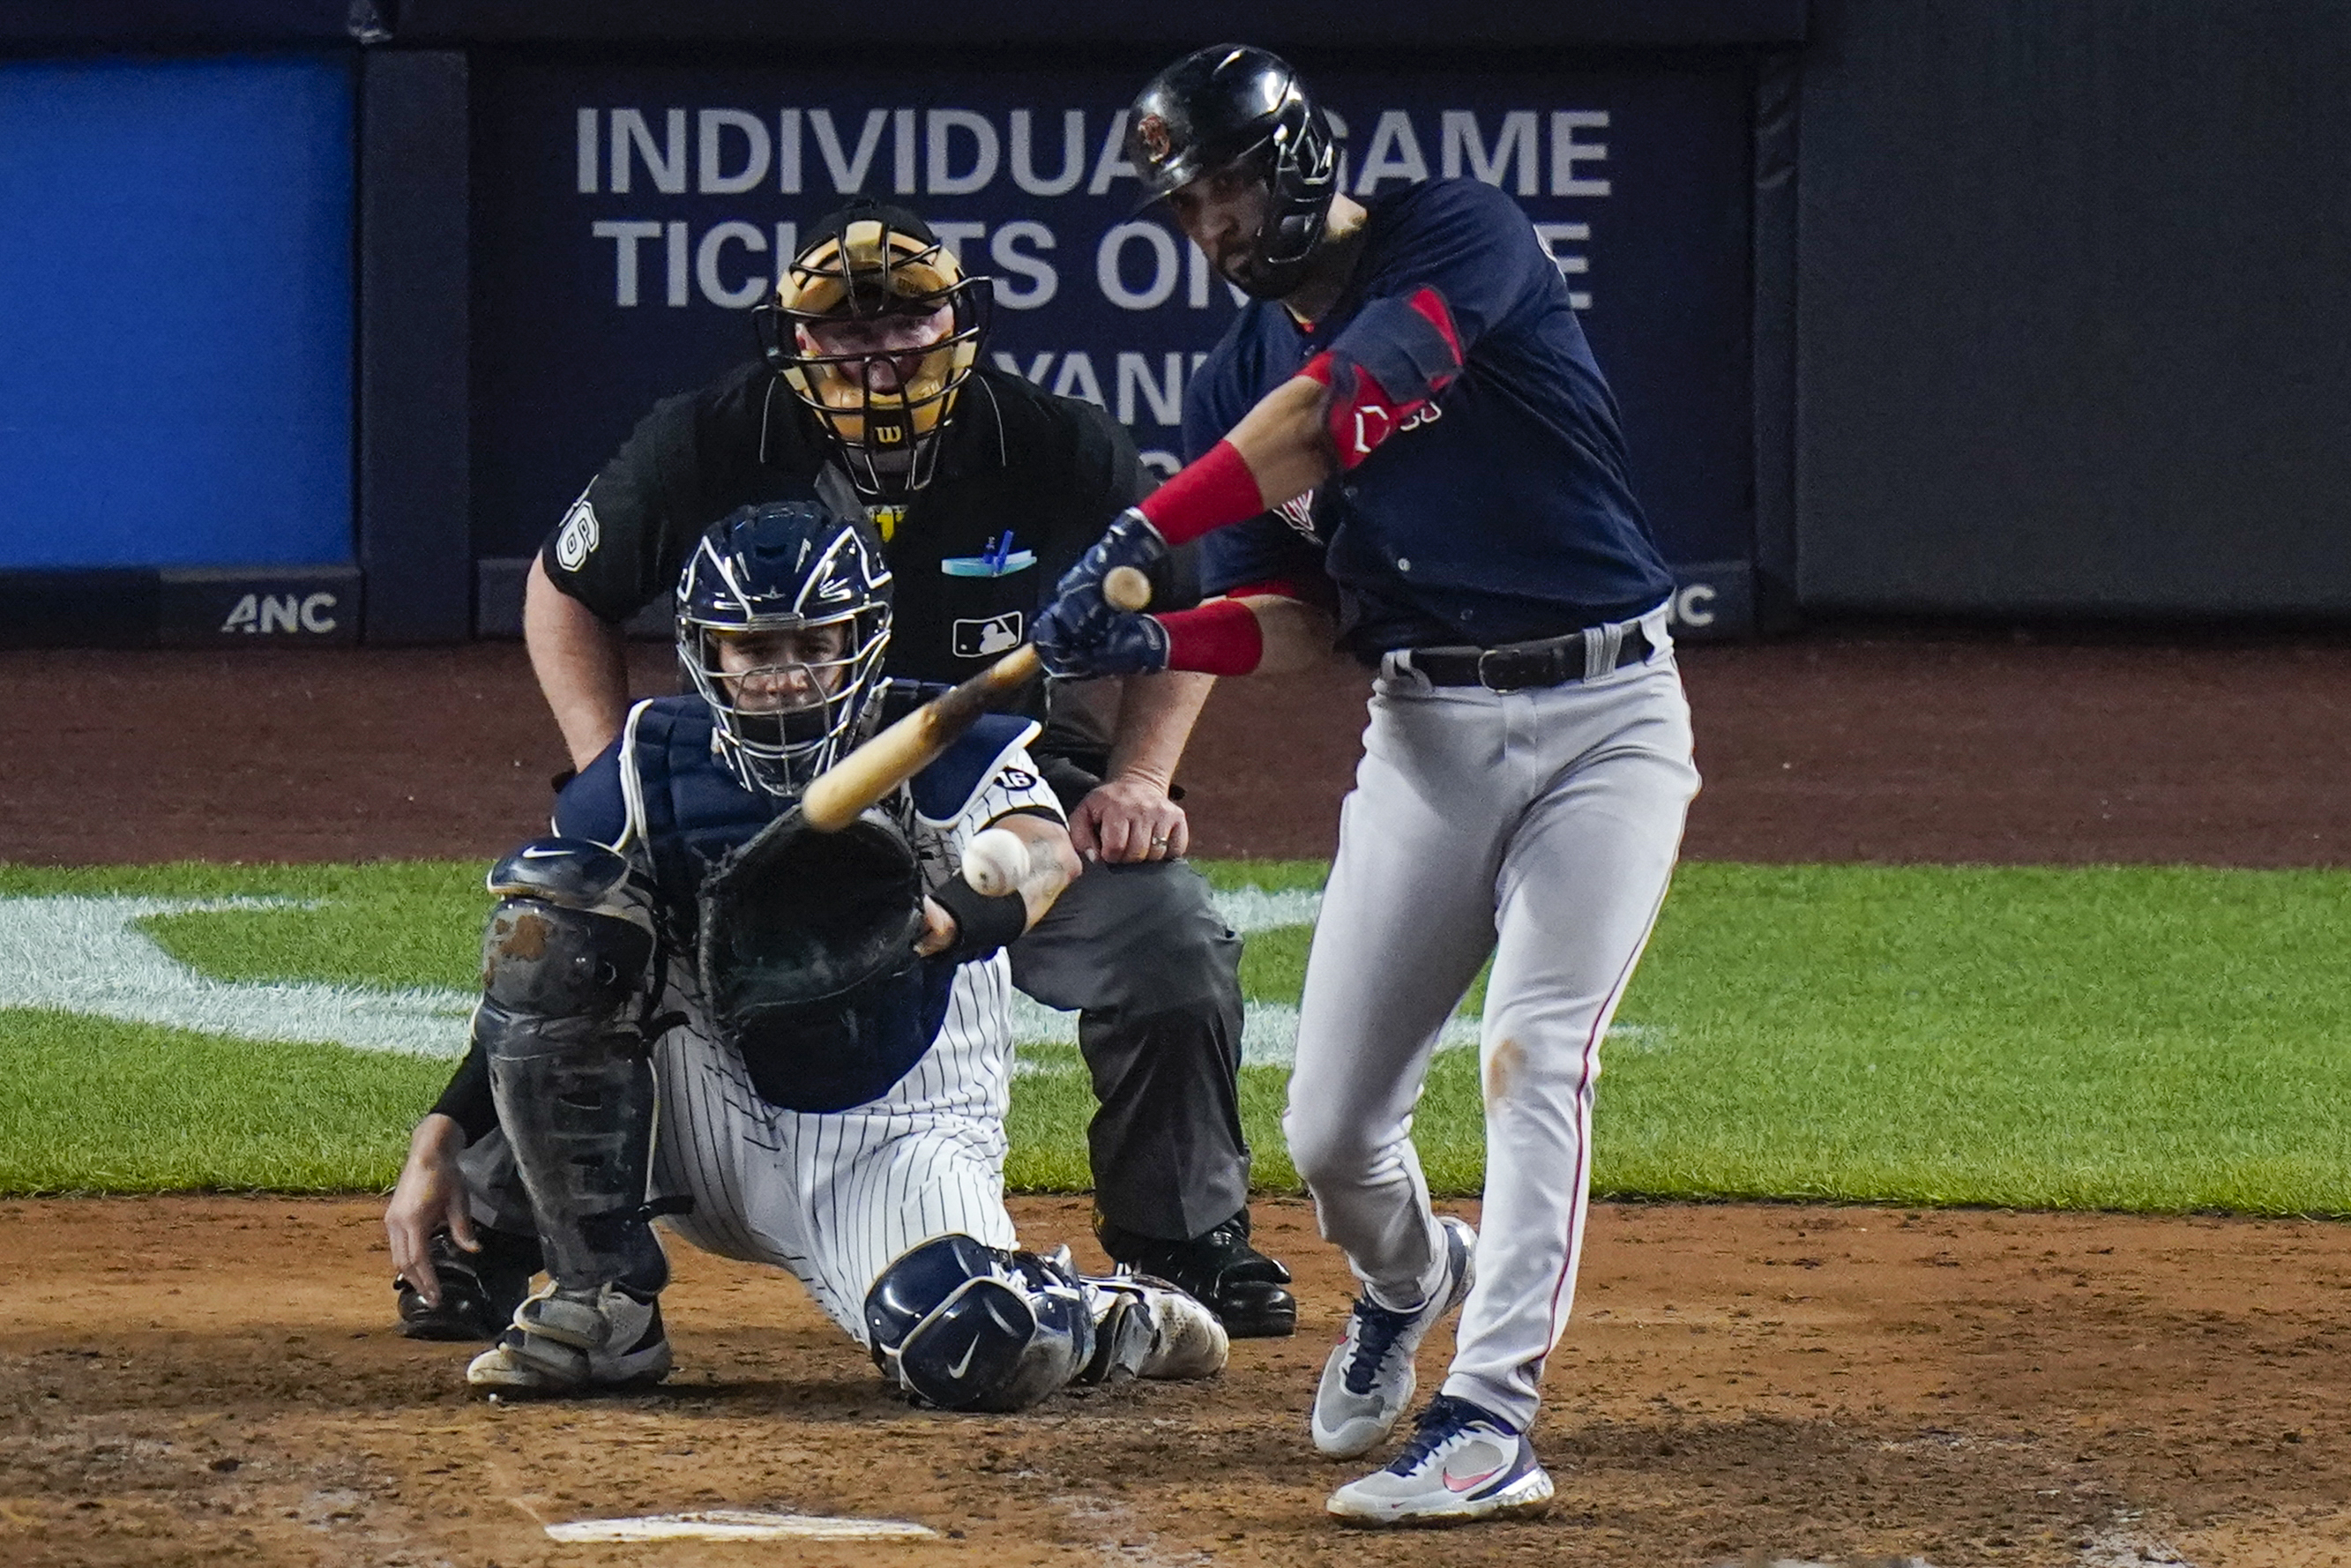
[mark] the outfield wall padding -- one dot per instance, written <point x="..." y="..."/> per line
<point x="2073" y="331"/>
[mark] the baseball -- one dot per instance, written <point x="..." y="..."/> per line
<point x="996" y="862"/>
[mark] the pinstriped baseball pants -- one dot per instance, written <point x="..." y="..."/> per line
<point x="1541" y="827"/>
<point x="835" y="1197"/>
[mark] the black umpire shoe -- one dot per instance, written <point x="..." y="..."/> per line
<point x="1249" y="1291"/>
<point x="479" y="1291"/>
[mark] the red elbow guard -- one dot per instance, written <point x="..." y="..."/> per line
<point x="1219" y="638"/>
<point x="1388" y="365"/>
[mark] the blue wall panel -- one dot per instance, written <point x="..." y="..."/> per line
<point x="176" y="345"/>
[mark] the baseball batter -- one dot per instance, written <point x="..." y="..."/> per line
<point x="1405" y="429"/>
<point x="632" y="1039"/>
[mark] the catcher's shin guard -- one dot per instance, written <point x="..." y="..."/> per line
<point x="567" y="964"/>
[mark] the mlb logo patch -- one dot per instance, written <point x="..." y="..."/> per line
<point x="985" y="639"/>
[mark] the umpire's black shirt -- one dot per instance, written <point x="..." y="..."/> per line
<point x="1050" y="472"/>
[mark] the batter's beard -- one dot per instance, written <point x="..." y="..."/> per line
<point x="1244" y="275"/>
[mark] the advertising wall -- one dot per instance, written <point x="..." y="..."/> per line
<point x="175" y="348"/>
<point x="2072" y="318"/>
<point x="625" y="218"/>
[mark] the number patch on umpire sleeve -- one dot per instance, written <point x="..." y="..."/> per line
<point x="578" y="537"/>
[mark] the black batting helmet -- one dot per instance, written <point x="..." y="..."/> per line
<point x="1228" y="102"/>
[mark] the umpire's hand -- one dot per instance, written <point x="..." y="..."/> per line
<point x="1129" y="819"/>
<point x="431" y="1196"/>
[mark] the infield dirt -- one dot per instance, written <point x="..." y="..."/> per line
<point x="212" y="1380"/>
<point x="1836" y="746"/>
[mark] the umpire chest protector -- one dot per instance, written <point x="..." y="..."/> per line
<point x="827" y="915"/>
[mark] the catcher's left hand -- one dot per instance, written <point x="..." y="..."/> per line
<point x="797" y="917"/>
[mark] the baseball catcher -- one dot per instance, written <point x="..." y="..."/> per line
<point x="790" y="1047"/>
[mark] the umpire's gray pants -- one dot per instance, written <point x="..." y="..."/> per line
<point x="1141" y="955"/>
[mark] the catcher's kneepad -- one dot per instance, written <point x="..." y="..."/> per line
<point x="571" y="938"/>
<point x="965" y="1326"/>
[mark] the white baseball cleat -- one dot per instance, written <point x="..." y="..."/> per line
<point x="1464" y="1462"/>
<point x="1154" y="1330"/>
<point x="1369" y="1379"/>
<point x="566" y="1341"/>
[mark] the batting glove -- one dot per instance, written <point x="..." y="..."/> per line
<point x="1121" y="645"/>
<point x="1079" y="616"/>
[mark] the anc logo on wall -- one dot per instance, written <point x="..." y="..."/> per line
<point x="258" y="612"/>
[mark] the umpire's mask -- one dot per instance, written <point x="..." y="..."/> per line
<point x="874" y="327"/>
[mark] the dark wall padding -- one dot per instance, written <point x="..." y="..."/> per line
<point x="1062" y="22"/>
<point x="416" y="542"/>
<point x="2073" y="333"/>
<point x="169" y="24"/>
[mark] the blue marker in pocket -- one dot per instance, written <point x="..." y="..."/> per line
<point x="1000" y="560"/>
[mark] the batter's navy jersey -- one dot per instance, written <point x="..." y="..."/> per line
<point x="1502" y="512"/>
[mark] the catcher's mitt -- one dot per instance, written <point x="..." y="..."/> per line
<point x="803" y="931"/>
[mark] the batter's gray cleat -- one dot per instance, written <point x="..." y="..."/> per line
<point x="1154" y="1330"/>
<point x="569" y="1341"/>
<point x="479" y="1291"/>
<point x="1464" y="1462"/>
<point x="1370" y="1378"/>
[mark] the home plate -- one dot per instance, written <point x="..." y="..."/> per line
<point x="730" y="1525"/>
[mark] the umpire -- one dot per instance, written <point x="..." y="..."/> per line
<point x="871" y="393"/>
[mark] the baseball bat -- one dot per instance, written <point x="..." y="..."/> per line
<point x="839" y="795"/>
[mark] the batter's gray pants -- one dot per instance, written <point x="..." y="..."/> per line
<point x="1538" y="826"/>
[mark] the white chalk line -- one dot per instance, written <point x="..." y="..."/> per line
<point x="85" y="954"/>
<point x="729" y="1524"/>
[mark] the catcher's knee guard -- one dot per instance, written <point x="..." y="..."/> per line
<point x="568" y="969"/>
<point x="966" y="1326"/>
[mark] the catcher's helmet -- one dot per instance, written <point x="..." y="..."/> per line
<point x="1230" y="103"/>
<point x="882" y="399"/>
<point x="787" y="566"/>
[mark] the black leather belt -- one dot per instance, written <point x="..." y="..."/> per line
<point x="1515" y="666"/>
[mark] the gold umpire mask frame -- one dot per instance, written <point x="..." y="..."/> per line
<point x="888" y="440"/>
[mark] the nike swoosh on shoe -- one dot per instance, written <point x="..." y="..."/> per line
<point x="1471" y="1483"/>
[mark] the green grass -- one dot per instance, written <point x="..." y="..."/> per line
<point x="92" y="1105"/>
<point x="2134" y="1038"/>
<point x="2162" y="1039"/>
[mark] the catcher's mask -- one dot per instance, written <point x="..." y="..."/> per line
<point x="783" y="618"/>
<point x="874" y="328"/>
<point x="1231" y="105"/>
